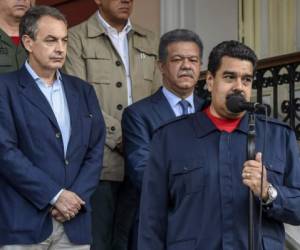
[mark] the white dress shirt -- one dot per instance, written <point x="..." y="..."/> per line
<point x="56" y="98"/>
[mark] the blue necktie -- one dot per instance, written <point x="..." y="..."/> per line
<point x="184" y="106"/>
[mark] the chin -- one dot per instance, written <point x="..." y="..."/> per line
<point x="234" y="115"/>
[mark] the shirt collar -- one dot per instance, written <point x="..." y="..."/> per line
<point x="204" y="126"/>
<point x="109" y="29"/>
<point x="37" y="79"/>
<point x="174" y="99"/>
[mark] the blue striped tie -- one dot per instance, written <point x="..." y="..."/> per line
<point x="184" y="106"/>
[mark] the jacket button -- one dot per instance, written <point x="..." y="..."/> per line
<point x="119" y="106"/>
<point x="112" y="128"/>
<point x="57" y="135"/>
<point x="66" y="162"/>
<point x="118" y="63"/>
<point x="119" y="84"/>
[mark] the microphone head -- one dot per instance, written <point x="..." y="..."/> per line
<point x="235" y="103"/>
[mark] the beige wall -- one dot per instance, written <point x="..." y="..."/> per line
<point x="146" y="13"/>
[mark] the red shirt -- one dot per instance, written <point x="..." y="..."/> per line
<point x="222" y="124"/>
<point x="16" y="40"/>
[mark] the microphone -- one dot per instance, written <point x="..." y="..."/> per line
<point x="236" y="103"/>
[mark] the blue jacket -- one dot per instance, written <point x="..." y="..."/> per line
<point x="139" y="121"/>
<point x="32" y="164"/>
<point x="193" y="196"/>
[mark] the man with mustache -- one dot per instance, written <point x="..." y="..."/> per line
<point x="197" y="180"/>
<point x="180" y="56"/>
<point x="51" y="144"/>
<point x="118" y="58"/>
<point x="12" y="53"/>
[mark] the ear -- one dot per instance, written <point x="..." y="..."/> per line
<point x="160" y="65"/>
<point x="27" y="42"/>
<point x="209" y="81"/>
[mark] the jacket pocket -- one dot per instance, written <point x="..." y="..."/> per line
<point x="188" y="176"/>
<point x="275" y="171"/>
<point x="98" y="70"/>
<point x="5" y="59"/>
<point x="148" y="62"/>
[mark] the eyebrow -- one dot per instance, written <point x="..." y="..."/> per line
<point x="234" y="73"/>
<point x="54" y="37"/>
<point x="180" y="55"/>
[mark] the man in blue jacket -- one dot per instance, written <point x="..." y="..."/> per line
<point x="196" y="183"/>
<point x="51" y="144"/>
<point x="180" y="55"/>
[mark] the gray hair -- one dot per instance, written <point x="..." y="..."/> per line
<point x="178" y="35"/>
<point x="29" y="22"/>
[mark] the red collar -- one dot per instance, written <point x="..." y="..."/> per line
<point x="222" y="124"/>
<point x="16" y="40"/>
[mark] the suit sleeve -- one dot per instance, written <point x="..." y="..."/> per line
<point x="15" y="167"/>
<point x="88" y="177"/>
<point x="76" y="65"/>
<point x="286" y="207"/>
<point x="136" y="139"/>
<point x="154" y="200"/>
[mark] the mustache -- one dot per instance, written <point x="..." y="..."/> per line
<point x="186" y="72"/>
<point x="236" y="93"/>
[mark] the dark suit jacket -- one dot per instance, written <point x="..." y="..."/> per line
<point x="193" y="196"/>
<point x="139" y="122"/>
<point x="33" y="167"/>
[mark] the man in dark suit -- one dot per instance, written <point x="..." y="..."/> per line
<point x="197" y="180"/>
<point x="180" y="54"/>
<point x="51" y="144"/>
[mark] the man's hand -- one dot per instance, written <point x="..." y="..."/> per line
<point x="252" y="176"/>
<point x="57" y="215"/>
<point x="68" y="204"/>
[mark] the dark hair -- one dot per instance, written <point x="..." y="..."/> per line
<point x="233" y="49"/>
<point x="178" y="35"/>
<point x="29" y="22"/>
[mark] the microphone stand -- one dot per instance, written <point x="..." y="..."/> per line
<point x="251" y="156"/>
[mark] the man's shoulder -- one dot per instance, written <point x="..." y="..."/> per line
<point x="176" y="124"/>
<point x="144" y="104"/>
<point x="76" y="81"/>
<point x="143" y="31"/>
<point x="82" y="28"/>
<point x="273" y="122"/>
<point x="140" y="105"/>
<point x="145" y="39"/>
<point x="10" y="78"/>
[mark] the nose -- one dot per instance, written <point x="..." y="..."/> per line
<point x="186" y="64"/>
<point x="238" y="84"/>
<point x="60" y="46"/>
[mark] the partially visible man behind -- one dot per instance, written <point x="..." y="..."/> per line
<point x="196" y="184"/>
<point x="118" y="58"/>
<point x="51" y="143"/>
<point x="180" y="56"/>
<point x="12" y="53"/>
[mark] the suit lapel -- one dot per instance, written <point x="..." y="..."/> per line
<point x="73" y="106"/>
<point x="31" y="91"/>
<point x="198" y="103"/>
<point x="162" y="107"/>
